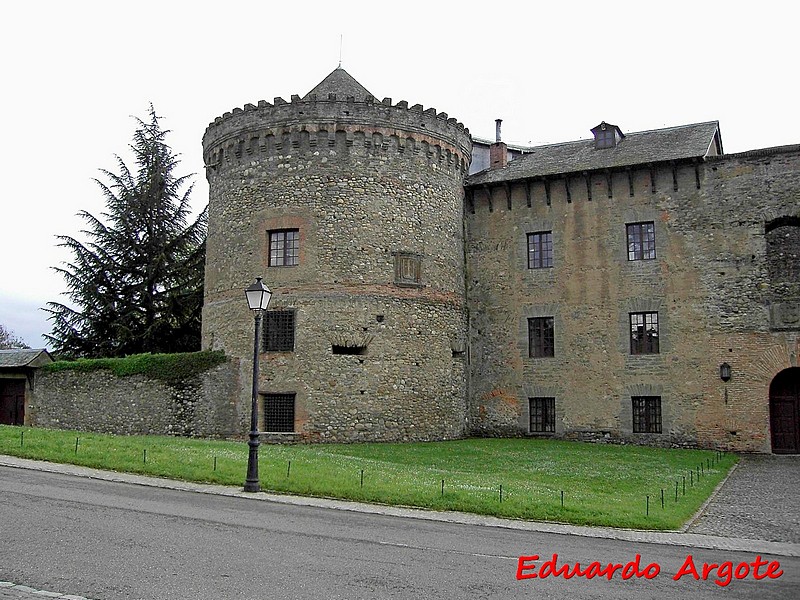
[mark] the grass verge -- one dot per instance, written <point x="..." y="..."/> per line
<point x="604" y="485"/>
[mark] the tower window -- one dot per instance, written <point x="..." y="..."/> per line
<point x="540" y="250"/>
<point x="279" y="413"/>
<point x="357" y="350"/>
<point x="407" y="269"/>
<point x="606" y="135"/>
<point x="646" y="414"/>
<point x="605" y="139"/>
<point x="284" y="248"/>
<point x="541" y="337"/>
<point x="641" y="241"/>
<point x="278" y="333"/>
<point x="542" y="415"/>
<point x="644" y="333"/>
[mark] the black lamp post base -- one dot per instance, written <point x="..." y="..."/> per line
<point x="252" y="484"/>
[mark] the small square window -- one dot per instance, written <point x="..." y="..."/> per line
<point x="407" y="269"/>
<point x="278" y="413"/>
<point x="641" y="241"/>
<point x="541" y="337"/>
<point x="646" y="414"/>
<point x="644" y="333"/>
<point x="540" y="250"/>
<point x="284" y="248"/>
<point x="542" y="415"/>
<point x="278" y="335"/>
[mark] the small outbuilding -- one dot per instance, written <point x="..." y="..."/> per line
<point x="17" y="376"/>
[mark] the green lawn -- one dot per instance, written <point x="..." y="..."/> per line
<point x="601" y="484"/>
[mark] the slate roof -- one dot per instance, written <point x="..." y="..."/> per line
<point x="341" y="83"/>
<point x="643" y="147"/>
<point x="24" y="357"/>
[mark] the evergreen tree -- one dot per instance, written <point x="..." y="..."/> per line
<point x="136" y="285"/>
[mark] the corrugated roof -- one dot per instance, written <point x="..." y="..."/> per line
<point x="24" y="357"/>
<point x="341" y="83"/>
<point x="672" y="143"/>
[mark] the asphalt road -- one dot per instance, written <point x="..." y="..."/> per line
<point x="107" y="541"/>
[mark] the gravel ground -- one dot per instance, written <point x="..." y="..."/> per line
<point x="759" y="501"/>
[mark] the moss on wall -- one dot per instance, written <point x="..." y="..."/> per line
<point x="169" y="368"/>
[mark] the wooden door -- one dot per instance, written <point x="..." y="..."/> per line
<point x="12" y="401"/>
<point x="784" y="412"/>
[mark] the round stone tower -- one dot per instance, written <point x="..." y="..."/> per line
<point x="351" y="209"/>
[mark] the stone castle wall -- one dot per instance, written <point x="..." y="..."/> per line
<point x="362" y="182"/>
<point x="102" y="402"/>
<point x="711" y="285"/>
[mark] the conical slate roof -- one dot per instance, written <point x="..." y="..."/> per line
<point x="341" y="83"/>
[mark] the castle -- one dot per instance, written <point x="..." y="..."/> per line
<point x="638" y="287"/>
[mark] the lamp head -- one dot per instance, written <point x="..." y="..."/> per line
<point x="258" y="295"/>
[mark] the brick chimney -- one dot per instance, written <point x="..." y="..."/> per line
<point x="498" y="152"/>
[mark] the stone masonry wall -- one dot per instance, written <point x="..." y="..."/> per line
<point x="362" y="182"/>
<point x="710" y="285"/>
<point x="100" y="401"/>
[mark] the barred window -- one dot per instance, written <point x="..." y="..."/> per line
<point x="644" y="333"/>
<point x="641" y="241"/>
<point x="284" y="248"/>
<point x="542" y="415"/>
<point x="278" y="335"/>
<point x="540" y="250"/>
<point x="541" y="337"/>
<point x="278" y="413"/>
<point x="646" y="414"/>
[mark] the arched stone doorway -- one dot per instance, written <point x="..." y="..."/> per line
<point x="784" y="411"/>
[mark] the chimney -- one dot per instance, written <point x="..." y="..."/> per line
<point x="498" y="152"/>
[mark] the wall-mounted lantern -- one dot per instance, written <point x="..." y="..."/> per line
<point x="725" y="372"/>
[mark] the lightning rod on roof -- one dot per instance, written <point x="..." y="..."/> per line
<point x="340" y="50"/>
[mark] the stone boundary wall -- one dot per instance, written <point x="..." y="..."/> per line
<point x="102" y="402"/>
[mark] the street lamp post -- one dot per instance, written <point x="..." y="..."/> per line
<point x="258" y="297"/>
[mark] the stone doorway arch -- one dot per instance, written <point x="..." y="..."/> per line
<point x="784" y="411"/>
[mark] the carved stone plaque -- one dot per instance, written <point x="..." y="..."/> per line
<point x="785" y="316"/>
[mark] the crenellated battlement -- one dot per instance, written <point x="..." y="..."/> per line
<point x="352" y="208"/>
<point x="310" y="124"/>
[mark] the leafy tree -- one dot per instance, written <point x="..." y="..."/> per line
<point x="136" y="285"/>
<point x="8" y="340"/>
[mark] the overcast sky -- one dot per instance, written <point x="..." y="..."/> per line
<point x="75" y="72"/>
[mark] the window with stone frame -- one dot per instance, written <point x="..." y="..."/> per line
<point x="646" y="414"/>
<point x="783" y="258"/>
<point x="540" y="250"/>
<point x="641" y="241"/>
<point x="407" y="268"/>
<point x="541" y="337"/>
<point x="279" y="412"/>
<point x="278" y="331"/>
<point x="284" y="248"/>
<point x="542" y="415"/>
<point x="644" y="332"/>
